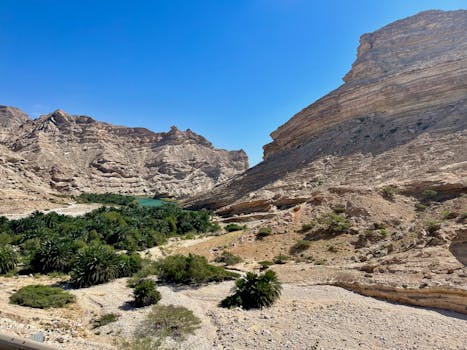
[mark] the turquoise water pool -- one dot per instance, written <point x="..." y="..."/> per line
<point x="149" y="202"/>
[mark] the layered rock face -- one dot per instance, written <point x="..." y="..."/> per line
<point x="69" y="154"/>
<point x="399" y="118"/>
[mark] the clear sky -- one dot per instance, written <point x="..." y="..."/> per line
<point x="231" y="70"/>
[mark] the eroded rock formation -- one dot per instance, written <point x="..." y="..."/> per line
<point x="400" y="117"/>
<point x="69" y="154"/>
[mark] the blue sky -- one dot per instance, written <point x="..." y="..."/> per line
<point x="231" y="70"/>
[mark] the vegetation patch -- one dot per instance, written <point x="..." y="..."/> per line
<point x="254" y="291"/>
<point x="105" y="198"/>
<point x="228" y="258"/>
<point x="191" y="269"/>
<point x="389" y="192"/>
<point x="280" y="259"/>
<point x="263" y="232"/>
<point x="233" y="227"/>
<point x="105" y="320"/>
<point x="43" y="297"/>
<point x="168" y="320"/>
<point x="8" y="259"/>
<point x="145" y="293"/>
<point x="264" y="265"/>
<point x="300" y="246"/>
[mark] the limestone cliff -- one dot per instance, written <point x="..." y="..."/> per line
<point x="399" y="118"/>
<point x="69" y="154"/>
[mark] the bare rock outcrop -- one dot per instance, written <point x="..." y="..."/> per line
<point x="69" y="154"/>
<point x="399" y="118"/>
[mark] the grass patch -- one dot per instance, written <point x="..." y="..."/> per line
<point x="42" y="297"/>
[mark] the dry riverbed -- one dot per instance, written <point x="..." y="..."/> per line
<point x="306" y="315"/>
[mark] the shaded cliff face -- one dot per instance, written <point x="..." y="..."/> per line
<point x="68" y="153"/>
<point x="400" y="117"/>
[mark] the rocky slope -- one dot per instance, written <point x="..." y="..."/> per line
<point x="384" y="154"/>
<point x="400" y="117"/>
<point x="69" y="154"/>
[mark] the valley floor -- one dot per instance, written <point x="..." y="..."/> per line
<point x="306" y="317"/>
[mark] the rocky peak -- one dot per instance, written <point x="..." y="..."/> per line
<point x="426" y="39"/>
<point x="11" y="117"/>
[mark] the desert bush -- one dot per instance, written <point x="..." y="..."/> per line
<point x="280" y="259"/>
<point x="339" y="209"/>
<point x="149" y="268"/>
<point x="191" y="269"/>
<point x="389" y="192"/>
<point x="307" y="227"/>
<point x="333" y="249"/>
<point x="145" y="343"/>
<point x="334" y="224"/>
<point x="254" y="291"/>
<point x="264" y="265"/>
<point x="43" y="297"/>
<point x="300" y="246"/>
<point x="263" y="232"/>
<point x="8" y="259"/>
<point x="432" y="227"/>
<point x="145" y="293"/>
<point x="228" y="258"/>
<point x="420" y="207"/>
<point x="429" y="195"/>
<point x="95" y="264"/>
<point x="168" y="320"/>
<point x="104" y="320"/>
<point x="233" y="227"/>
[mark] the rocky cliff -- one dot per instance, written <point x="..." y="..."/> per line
<point x="69" y="154"/>
<point x="399" y="118"/>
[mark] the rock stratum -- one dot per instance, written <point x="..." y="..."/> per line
<point x="62" y="153"/>
<point x="399" y="118"/>
<point x="386" y="154"/>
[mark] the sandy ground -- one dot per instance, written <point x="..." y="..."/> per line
<point x="306" y="315"/>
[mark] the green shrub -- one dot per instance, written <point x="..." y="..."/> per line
<point x="149" y="268"/>
<point x="228" y="258"/>
<point x="420" y="206"/>
<point x="8" y="259"/>
<point x="146" y="343"/>
<point x="254" y="291"/>
<point x="429" y="195"/>
<point x="145" y="293"/>
<point x="339" y="209"/>
<point x="104" y="320"/>
<point x="432" y="227"/>
<point x="263" y="232"/>
<point x="191" y="269"/>
<point x="280" y="259"/>
<point x="95" y="264"/>
<point x="168" y="320"/>
<point x="389" y="192"/>
<point x="233" y="227"/>
<point x="300" y="246"/>
<point x="307" y="227"/>
<point x="264" y="265"/>
<point x="43" y="297"/>
<point x="334" y="224"/>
